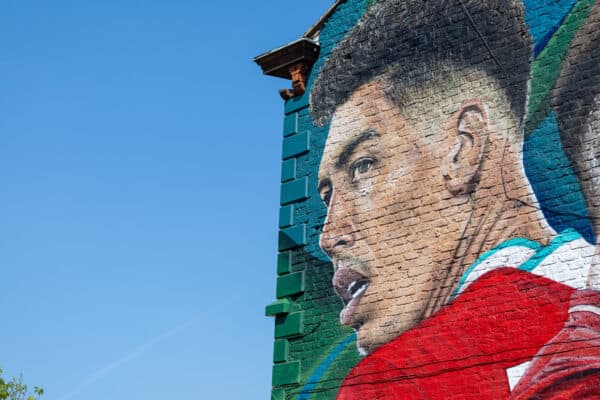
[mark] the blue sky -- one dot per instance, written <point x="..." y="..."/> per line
<point x="139" y="181"/>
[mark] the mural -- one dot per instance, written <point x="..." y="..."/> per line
<point x="457" y="161"/>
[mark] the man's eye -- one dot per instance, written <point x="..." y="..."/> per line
<point x="360" y="167"/>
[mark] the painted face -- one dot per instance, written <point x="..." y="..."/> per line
<point x="380" y="181"/>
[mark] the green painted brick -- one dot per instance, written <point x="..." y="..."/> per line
<point x="297" y="103"/>
<point x="284" y="263"/>
<point x="289" y="325"/>
<point x="281" y="350"/>
<point x="278" y="394"/>
<point x="286" y="373"/>
<point x="292" y="237"/>
<point x="286" y="216"/>
<point x="288" y="170"/>
<point x="295" y="145"/>
<point x="290" y="124"/>
<point x="278" y="307"/>
<point x="295" y="190"/>
<point x="291" y="284"/>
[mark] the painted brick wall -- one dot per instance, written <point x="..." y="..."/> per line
<point x="461" y="234"/>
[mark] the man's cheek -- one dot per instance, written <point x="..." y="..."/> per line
<point x="396" y="175"/>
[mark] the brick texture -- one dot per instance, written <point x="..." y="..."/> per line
<point x="440" y="205"/>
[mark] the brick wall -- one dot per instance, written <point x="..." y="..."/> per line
<point x="460" y="232"/>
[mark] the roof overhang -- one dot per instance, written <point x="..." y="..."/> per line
<point x="278" y="62"/>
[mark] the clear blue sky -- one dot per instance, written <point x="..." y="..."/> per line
<point x="139" y="182"/>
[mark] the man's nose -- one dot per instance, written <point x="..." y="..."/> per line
<point x="338" y="231"/>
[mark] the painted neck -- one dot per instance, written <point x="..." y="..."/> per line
<point x="502" y="207"/>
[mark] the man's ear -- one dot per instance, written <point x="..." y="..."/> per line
<point x="468" y="133"/>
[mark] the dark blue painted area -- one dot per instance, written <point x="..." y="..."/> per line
<point x="545" y="163"/>
<point x="544" y="17"/>
<point x="552" y="179"/>
<point x="541" y="43"/>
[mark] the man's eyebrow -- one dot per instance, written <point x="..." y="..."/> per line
<point x="350" y="147"/>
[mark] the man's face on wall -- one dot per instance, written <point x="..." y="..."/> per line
<point x="385" y="228"/>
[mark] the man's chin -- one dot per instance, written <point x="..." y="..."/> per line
<point x="364" y="349"/>
<point x="365" y="344"/>
<point x="369" y="341"/>
<point x="361" y="350"/>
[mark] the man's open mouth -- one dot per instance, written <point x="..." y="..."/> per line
<point x="350" y="286"/>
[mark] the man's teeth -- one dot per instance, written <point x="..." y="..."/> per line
<point x="356" y="288"/>
<point x="360" y="290"/>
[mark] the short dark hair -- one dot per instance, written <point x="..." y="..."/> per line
<point x="405" y="41"/>
<point x="577" y="87"/>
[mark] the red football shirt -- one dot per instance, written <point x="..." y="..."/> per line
<point x="568" y="367"/>
<point x="462" y="352"/>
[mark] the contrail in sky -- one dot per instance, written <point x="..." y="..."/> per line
<point x="102" y="372"/>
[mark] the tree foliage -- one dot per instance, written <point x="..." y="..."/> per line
<point x="15" y="389"/>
